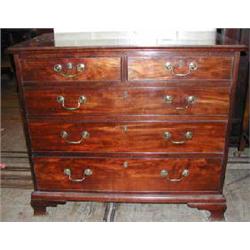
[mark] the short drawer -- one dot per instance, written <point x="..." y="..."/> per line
<point x="68" y="69"/>
<point x="128" y="137"/>
<point x="128" y="101"/>
<point x="127" y="175"/>
<point x="179" y="67"/>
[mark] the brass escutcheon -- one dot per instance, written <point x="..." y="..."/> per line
<point x="125" y="164"/>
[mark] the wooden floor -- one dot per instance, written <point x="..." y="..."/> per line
<point x="16" y="184"/>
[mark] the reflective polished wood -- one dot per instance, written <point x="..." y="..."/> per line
<point x="113" y="120"/>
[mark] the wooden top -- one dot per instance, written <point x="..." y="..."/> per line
<point x="118" y="40"/>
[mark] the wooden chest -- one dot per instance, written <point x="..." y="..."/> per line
<point x="127" y="124"/>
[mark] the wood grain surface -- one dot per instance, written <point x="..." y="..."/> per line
<point x="128" y="137"/>
<point x="139" y="175"/>
<point x="96" y="68"/>
<point x="150" y="68"/>
<point x="127" y="101"/>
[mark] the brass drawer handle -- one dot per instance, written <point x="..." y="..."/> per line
<point x="165" y="173"/>
<point x="191" y="67"/>
<point x="81" y="100"/>
<point x="84" y="135"/>
<point x="189" y="101"/>
<point x="86" y="172"/>
<point x="188" y="136"/>
<point x="58" y="68"/>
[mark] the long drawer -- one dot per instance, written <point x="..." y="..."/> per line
<point x="127" y="175"/>
<point x="128" y="137"/>
<point x="68" y="69"/>
<point x="129" y="101"/>
<point x="180" y="67"/>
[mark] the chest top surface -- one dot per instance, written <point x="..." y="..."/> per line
<point x="128" y="40"/>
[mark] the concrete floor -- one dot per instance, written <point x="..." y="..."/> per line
<point x="15" y="201"/>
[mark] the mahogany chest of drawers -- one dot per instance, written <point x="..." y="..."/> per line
<point x="127" y="124"/>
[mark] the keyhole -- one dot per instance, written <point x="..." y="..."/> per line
<point x="125" y="94"/>
<point x="180" y="63"/>
<point x="69" y="65"/>
<point x="125" y="128"/>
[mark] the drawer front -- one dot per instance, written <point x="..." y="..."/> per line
<point x="68" y="69"/>
<point x="128" y="137"/>
<point x="129" y="101"/>
<point x="127" y="175"/>
<point x="175" y="67"/>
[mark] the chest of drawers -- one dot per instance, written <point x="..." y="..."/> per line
<point x="127" y="124"/>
